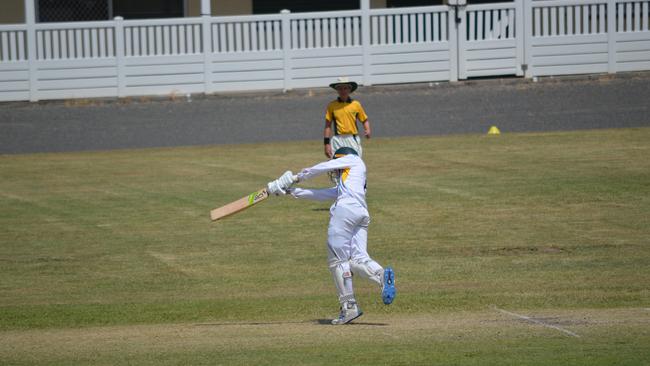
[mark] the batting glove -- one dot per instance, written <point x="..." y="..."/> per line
<point x="286" y="180"/>
<point x="273" y="187"/>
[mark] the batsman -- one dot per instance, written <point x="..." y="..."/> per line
<point x="347" y="234"/>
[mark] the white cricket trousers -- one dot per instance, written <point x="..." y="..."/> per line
<point x="347" y="244"/>
<point x="347" y="234"/>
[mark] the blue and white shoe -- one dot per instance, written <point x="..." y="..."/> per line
<point x="388" y="290"/>
<point x="349" y="312"/>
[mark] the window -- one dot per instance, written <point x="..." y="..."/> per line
<point x="72" y="10"/>
<point x="85" y="10"/>
<point x="401" y="3"/>
<point x="144" y="9"/>
<point x="296" y="6"/>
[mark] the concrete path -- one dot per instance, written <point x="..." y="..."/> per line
<point x="514" y="105"/>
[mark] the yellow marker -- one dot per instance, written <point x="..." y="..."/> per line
<point x="494" y="131"/>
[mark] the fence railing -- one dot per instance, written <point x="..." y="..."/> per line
<point x="495" y="21"/>
<point x="318" y="30"/>
<point x="13" y="45"/>
<point x="410" y="25"/>
<point x="160" y="39"/>
<point x="587" y="36"/>
<point x="246" y="33"/>
<point x="574" y="18"/>
<point x="75" y="41"/>
<point x="632" y="16"/>
<point x="296" y="50"/>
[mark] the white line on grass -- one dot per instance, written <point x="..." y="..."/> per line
<point x="390" y="335"/>
<point x="170" y="261"/>
<point x="527" y="318"/>
<point x="458" y="192"/>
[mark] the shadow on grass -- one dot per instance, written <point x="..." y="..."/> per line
<point x="249" y="323"/>
<point x="315" y="321"/>
<point x="329" y="322"/>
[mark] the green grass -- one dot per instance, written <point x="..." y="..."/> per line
<point x="110" y="257"/>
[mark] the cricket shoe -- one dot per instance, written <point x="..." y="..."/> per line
<point x="349" y="312"/>
<point x="388" y="290"/>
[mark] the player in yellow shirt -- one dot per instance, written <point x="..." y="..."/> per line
<point x="341" y="119"/>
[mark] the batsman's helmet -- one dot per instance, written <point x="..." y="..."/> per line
<point x="342" y="151"/>
<point x="339" y="153"/>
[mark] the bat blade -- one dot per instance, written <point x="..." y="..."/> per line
<point x="239" y="205"/>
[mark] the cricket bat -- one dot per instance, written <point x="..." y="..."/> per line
<point x="239" y="205"/>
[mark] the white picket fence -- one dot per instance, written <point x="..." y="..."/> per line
<point x="491" y="40"/>
<point x="122" y="58"/>
<point x="587" y="36"/>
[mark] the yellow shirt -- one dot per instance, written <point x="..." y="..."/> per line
<point x="344" y="116"/>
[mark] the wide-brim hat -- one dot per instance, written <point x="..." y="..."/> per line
<point x="344" y="81"/>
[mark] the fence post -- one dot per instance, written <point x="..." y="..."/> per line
<point x="519" y="36"/>
<point x="120" y="56"/>
<point x="460" y="23"/>
<point x="452" y="41"/>
<point x="365" y="40"/>
<point x="32" y="57"/>
<point x="286" y="48"/>
<point x="528" y="38"/>
<point x="611" y="36"/>
<point x="206" y="25"/>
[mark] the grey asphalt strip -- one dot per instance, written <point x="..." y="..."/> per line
<point x="514" y="105"/>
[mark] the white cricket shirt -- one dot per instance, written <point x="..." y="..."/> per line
<point x="352" y="182"/>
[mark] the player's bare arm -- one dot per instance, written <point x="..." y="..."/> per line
<point x="366" y="129"/>
<point x="327" y="134"/>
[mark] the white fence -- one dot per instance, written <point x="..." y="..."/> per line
<point x="411" y="45"/>
<point x="568" y="37"/>
<point x="491" y="40"/>
<point x="298" y="50"/>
